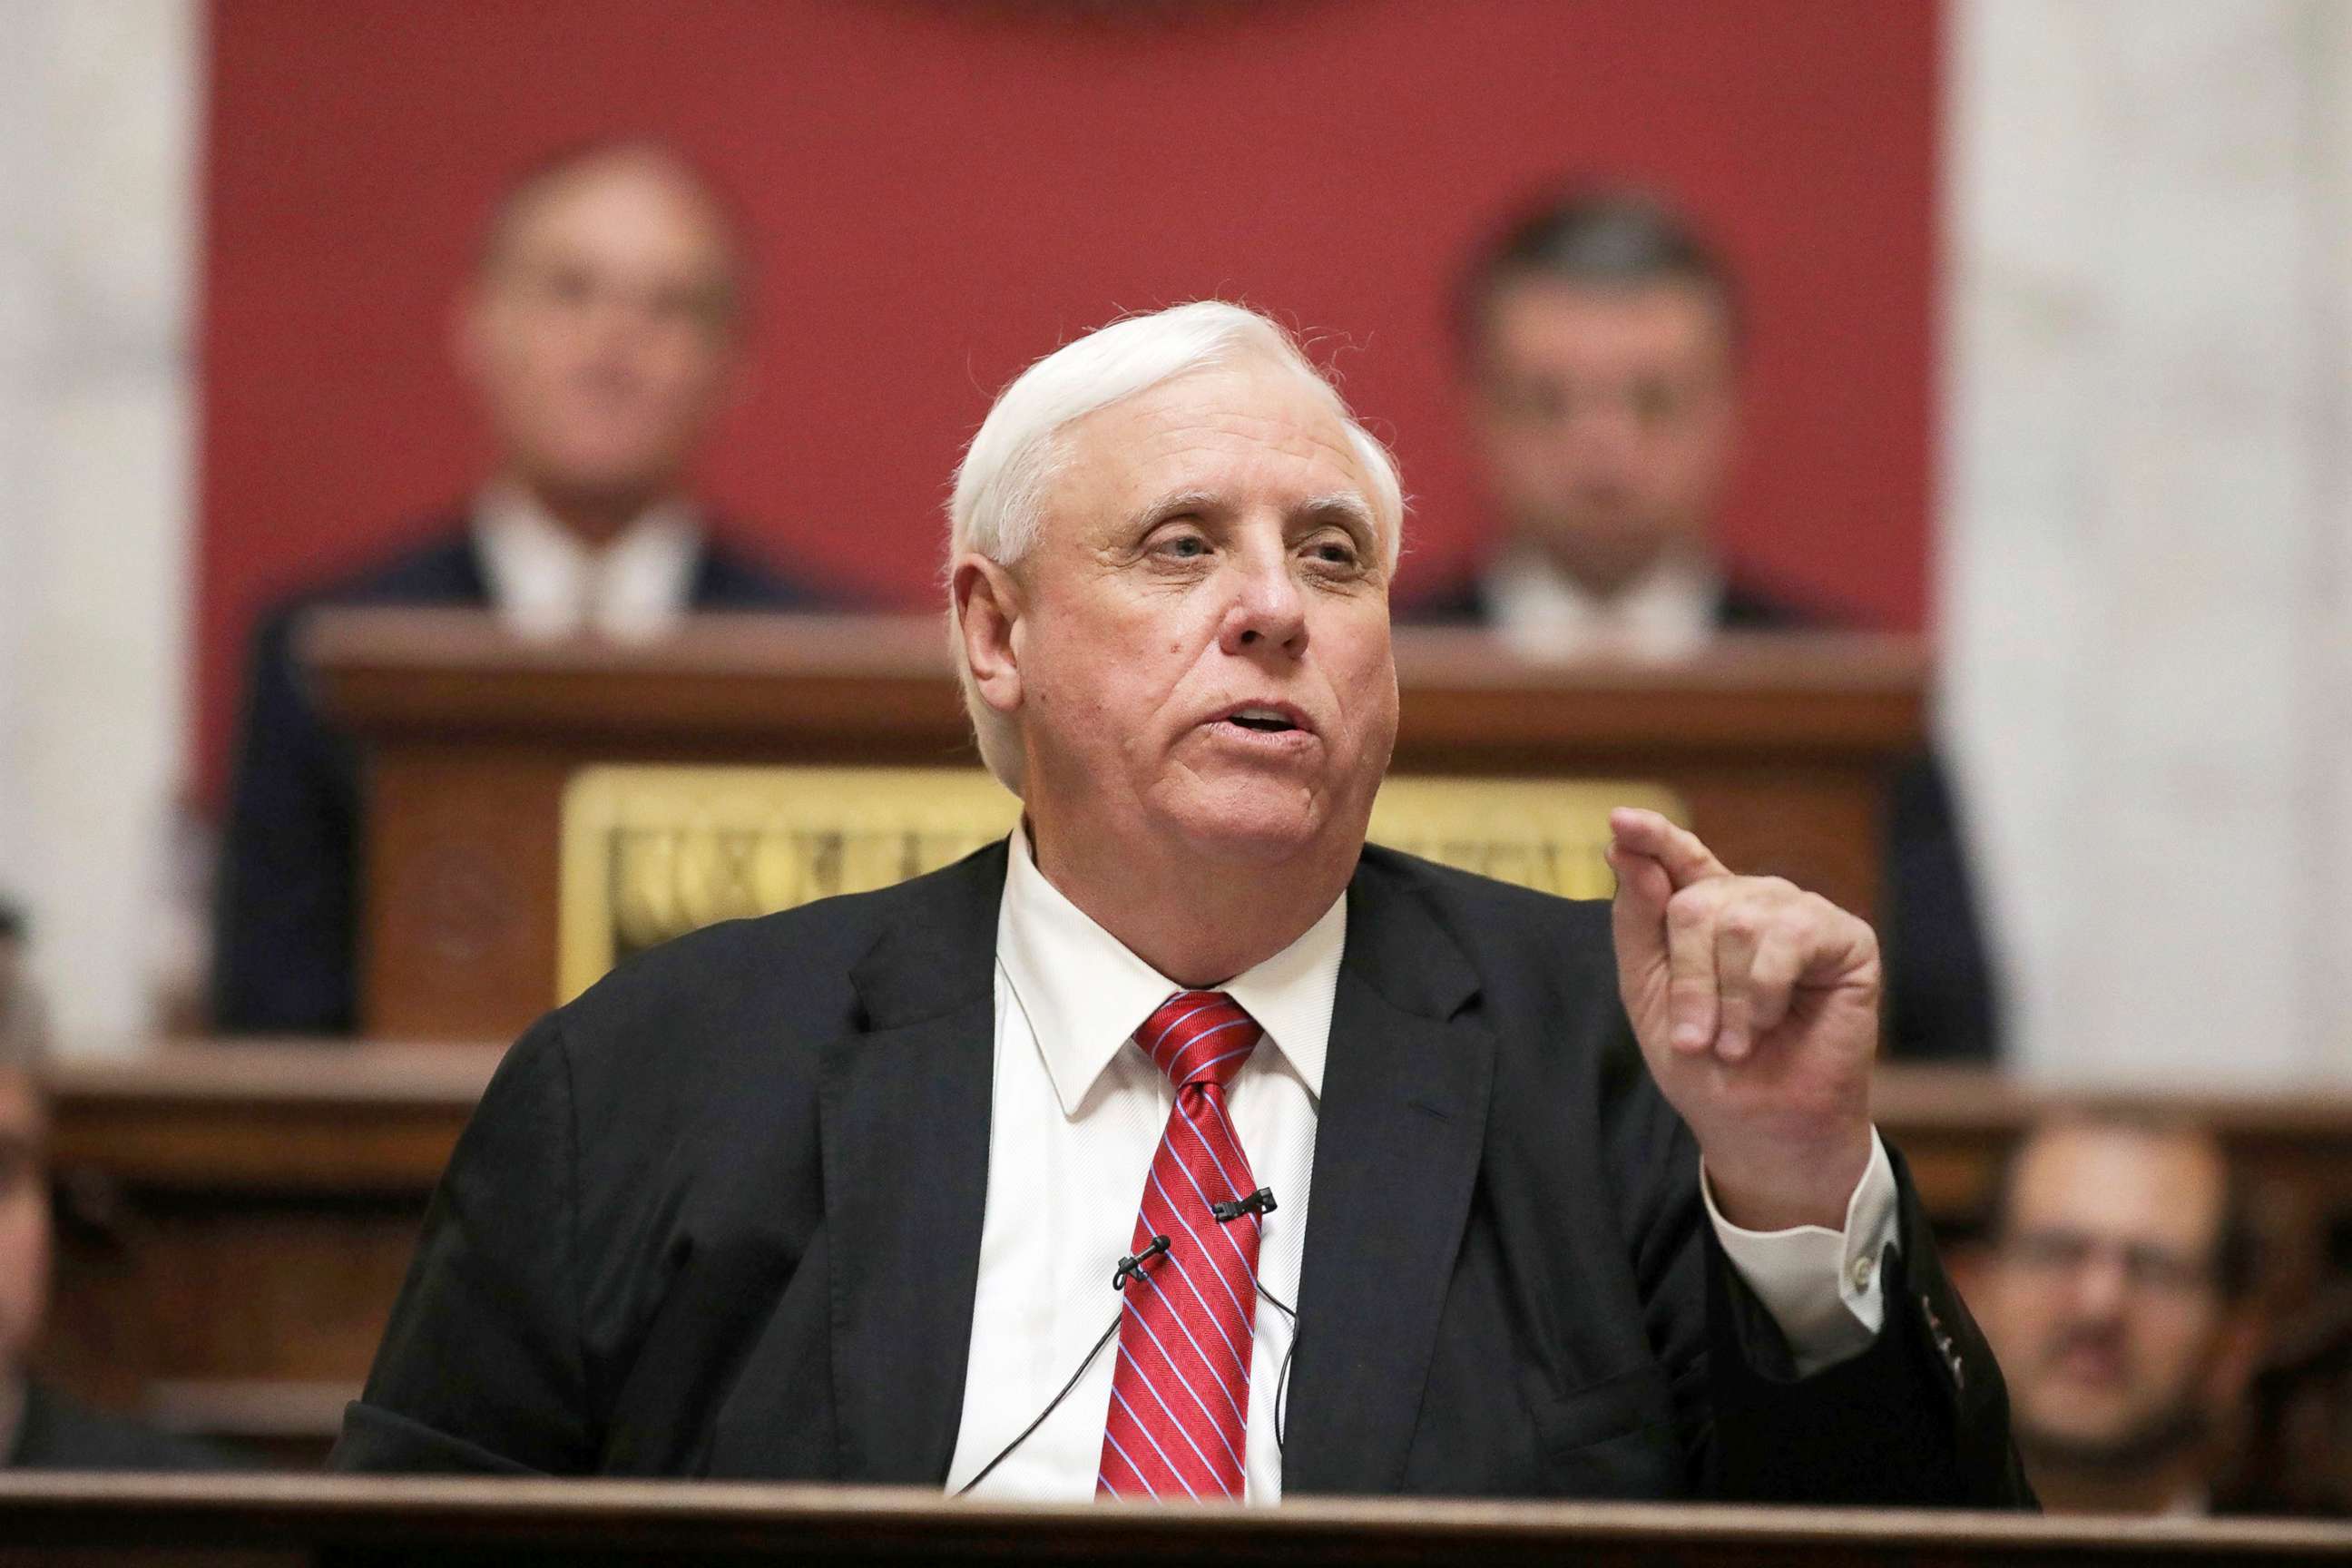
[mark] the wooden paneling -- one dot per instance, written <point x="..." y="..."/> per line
<point x="1781" y="746"/>
<point x="2294" y="1151"/>
<point x="234" y="1221"/>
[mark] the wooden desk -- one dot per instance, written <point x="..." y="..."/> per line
<point x="2294" y="1151"/>
<point x="146" y="1520"/>
<point x="1781" y="746"/>
<point x="234" y="1221"/>
<point x="239" y="1218"/>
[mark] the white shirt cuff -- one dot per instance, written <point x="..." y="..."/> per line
<point x="1819" y="1285"/>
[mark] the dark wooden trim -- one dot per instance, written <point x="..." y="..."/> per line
<point x="332" y="1118"/>
<point x="595" y="1518"/>
<point x="863" y="681"/>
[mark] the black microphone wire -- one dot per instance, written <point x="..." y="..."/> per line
<point x="1132" y="1268"/>
<point x="1226" y="1213"/>
<point x="1282" y="1379"/>
<point x="965" y="1489"/>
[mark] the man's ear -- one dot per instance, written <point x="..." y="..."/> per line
<point x="988" y="617"/>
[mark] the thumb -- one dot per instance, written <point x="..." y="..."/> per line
<point x="1638" y="913"/>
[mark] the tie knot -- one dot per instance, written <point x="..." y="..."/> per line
<point x="1198" y="1037"/>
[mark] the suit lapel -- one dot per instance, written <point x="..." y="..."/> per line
<point x="904" y="1123"/>
<point x="1403" y="1124"/>
<point x="461" y="572"/>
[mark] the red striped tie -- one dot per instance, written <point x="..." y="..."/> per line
<point x="1178" y="1420"/>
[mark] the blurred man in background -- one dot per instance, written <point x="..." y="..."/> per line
<point x="40" y="1428"/>
<point x="24" y="1016"/>
<point x="1599" y="341"/>
<point x="2118" y="1298"/>
<point x="600" y="333"/>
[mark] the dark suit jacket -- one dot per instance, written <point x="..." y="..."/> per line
<point x="721" y="1217"/>
<point x="1942" y="1004"/>
<point x="56" y="1433"/>
<point x="286" y="916"/>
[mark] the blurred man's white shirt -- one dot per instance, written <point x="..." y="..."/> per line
<point x="1667" y="613"/>
<point x="546" y="583"/>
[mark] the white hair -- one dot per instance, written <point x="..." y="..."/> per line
<point x="1001" y="486"/>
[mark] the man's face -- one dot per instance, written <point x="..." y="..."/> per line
<point x="2101" y="1303"/>
<point x="24" y="1220"/>
<point x="1204" y="643"/>
<point x="1605" y="419"/>
<point x="600" y="333"/>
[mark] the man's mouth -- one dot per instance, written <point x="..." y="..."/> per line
<point x="1264" y="721"/>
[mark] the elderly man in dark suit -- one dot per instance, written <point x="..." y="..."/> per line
<point x="599" y="333"/>
<point x="1184" y="1146"/>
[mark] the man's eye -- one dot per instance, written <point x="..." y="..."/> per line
<point x="567" y="284"/>
<point x="1185" y="546"/>
<point x="1541" y="401"/>
<point x="1334" y="552"/>
<point x="1655" y="402"/>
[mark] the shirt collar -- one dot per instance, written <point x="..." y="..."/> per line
<point x="1668" y="612"/>
<point x="1085" y="994"/>
<point x="545" y="581"/>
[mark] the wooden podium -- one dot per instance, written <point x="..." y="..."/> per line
<point x="238" y="1217"/>
<point x="1780" y="747"/>
<point x="92" y="1519"/>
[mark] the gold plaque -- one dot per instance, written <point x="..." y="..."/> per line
<point x="651" y="852"/>
<point x="1544" y="833"/>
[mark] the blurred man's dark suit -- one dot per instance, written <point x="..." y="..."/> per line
<point x="1942" y="1004"/>
<point x="286" y="922"/>
<point x="55" y="1432"/>
<point x="721" y="1217"/>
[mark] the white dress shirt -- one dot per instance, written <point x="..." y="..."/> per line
<point x="546" y="583"/>
<point x="1542" y="613"/>
<point x="1076" y="1112"/>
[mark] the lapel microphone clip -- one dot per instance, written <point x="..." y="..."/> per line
<point x="1260" y="1201"/>
<point x="1132" y="1268"/>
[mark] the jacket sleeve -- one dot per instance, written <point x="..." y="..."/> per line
<point x="286" y="916"/>
<point x="1919" y="1418"/>
<point x="481" y="1367"/>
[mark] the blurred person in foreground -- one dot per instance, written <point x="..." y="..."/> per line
<point x="2118" y="1294"/>
<point x="847" y="1193"/>
<point x="600" y="333"/>
<point x="40" y="1428"/>
<point x="1599" y="338"/>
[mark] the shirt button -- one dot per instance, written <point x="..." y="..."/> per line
<point x="1860" y="1274"/>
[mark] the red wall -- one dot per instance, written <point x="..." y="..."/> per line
<point x="943" y="189"/>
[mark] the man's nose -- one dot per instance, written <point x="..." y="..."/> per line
<point x="1267" y="609"/>
<point x="610" y="315"/>
<point x="2101" y="1284"/>
<point x="1604" y="440"/>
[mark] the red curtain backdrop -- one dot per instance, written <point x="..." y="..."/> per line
<point x="942" y="190"/>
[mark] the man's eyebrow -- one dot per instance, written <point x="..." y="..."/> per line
<point x="1176" y="503"/>
<point x="1343" y="506"/>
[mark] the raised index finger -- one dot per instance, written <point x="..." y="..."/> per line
<point x="1685" y="859"/>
